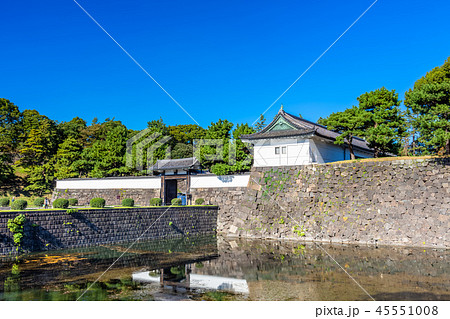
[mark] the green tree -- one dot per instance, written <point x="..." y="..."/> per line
<point x="243" y="150"/>
<point x="240" y="159"/>
<point x="6" y="171"/>
<point x="221" y="133"/>
<point x="73" y="128"/>
<point x="107" y="157"/>
<point x="349" y="123"/>
<point x="385" y="125"/>
<point x="260" y="124"/>
<point x="429" y="103"/>
<point x="40" y="178"/>
<point x="40" y="143"/>
<point x="186" y="133"/>
<point x="10" y="121"/>
<point x="67" y="159"/>
<point x="182" y="151"/>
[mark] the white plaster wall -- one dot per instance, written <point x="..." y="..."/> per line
<point x="329" y="152"/>
<point x="110" y="183"/>
<point x="197" y="181"/>
<point x="214" y="181"/>
<point x="297" y="152"/>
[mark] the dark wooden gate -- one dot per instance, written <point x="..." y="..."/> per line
<point x="170" y="188"/>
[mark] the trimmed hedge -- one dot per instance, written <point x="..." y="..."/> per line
<point x="61" y="203"/>
<point x="39" y="201"/>
<point x="73" y="202"/>
<point x="128" y="202"/>
<point x="4" y="202"/>
<point x="97" y="202"/>
<point x="19" y="204"/>
<point x="155" y="202"/>
<point x="176" y="202"/>
<point x="199" y="201"/>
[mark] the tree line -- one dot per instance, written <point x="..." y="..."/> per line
<point x="422" y="129"/>
<point x="36" y="150"/>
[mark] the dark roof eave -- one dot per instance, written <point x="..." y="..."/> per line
<point x="367" y="149"/>
<point x="277" y="134"/>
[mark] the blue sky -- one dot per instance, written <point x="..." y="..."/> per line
<point x="219" y="59"/>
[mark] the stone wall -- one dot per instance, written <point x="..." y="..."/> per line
<point x="228" y="199"/>
<point x="393" y="202"/>
<point x="112" y="196"/>
<point x="45" y="230"/>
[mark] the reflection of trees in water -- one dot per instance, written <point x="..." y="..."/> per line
<point x="256" y="260"/>
<point x="114" y="289"/>
<point x="12" y="282"/>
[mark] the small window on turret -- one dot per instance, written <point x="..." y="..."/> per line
<point x="283" y="150"/>
<point x="277" y="150"/>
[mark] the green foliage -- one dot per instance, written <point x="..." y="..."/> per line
<point x="19" y="204"/>
<point x="128" y="202"/>
<point x="186" y="134"/>
<point x="300" y="231"/>
<point x="73" y="202"/>
<point x="71" y="211"/>
<point x="182" y="151"/>
<point x="40" y="140"/>
<point x="199" y="201"/>
<point x="220" y="169"/>
<point x="429" y="105"/>
<point x="10" y="125"/>
<point x="176" y="202"/>
<point x="40" y="178"/>
<point x="211" y="154"/>
<point x="155" y="202"/>
<point x="349" y="123"/>
<point x="61" y="203"/>
<point x="68" y="159"/>
<point x="10" y="122"/>
<point x="16" y="226"/>
<point x="6" y="170"/>
<point x="260" y="124"/>
<point x="39" y="201"/>
<point x="97" y="202"/>
<point x="385" y="126"/>
<point x="4" y="202"/>
<point x="74" y="128"/>
<point x="107" y="157"/>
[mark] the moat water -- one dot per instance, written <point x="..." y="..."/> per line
<point x="209" y="268"/>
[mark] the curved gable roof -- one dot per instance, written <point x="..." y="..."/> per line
<point x="300" y="127"/>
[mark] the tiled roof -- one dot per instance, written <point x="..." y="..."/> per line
<point x="182" y="163"/>
<point x="302" y="127"/>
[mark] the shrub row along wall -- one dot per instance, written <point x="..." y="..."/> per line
<point x="112" y="196"/>
<point x="397" y="202"/>
<point x="47" y="230"/>
<point x="141" y="189"/>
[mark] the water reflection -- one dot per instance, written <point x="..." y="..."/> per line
<point x="182" y="276"/>
<point x="205" y="268"/>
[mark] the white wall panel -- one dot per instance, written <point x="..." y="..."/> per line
<point x="214" y="181"/>
<point x="110" y="183"/>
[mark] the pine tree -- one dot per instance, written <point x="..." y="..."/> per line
<point x="429" y="103"/>
<point x="260" y="124"/>
<point x="385" y="126"/>
<point x="67" y="157"/>
<point x="349" y="123"/>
